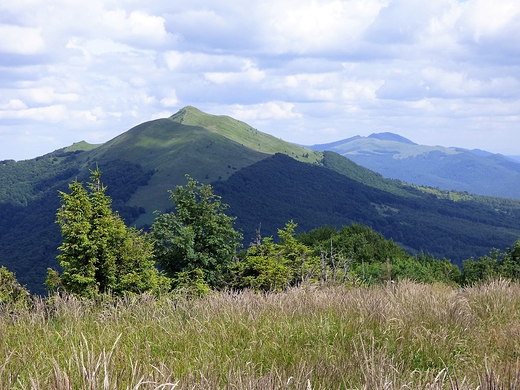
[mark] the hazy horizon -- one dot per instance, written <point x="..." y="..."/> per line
<point x="309" y="72"/>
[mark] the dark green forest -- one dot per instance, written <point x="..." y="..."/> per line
<point x="332" y="191"/>
<point x="198" y="249"/>
<point x="29" y="236"/>
<point x="278" y="189"/>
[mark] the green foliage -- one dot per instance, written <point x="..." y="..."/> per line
<point x="99" y="254"/>
<point x="28" y="235"/>
<point x="424" y="269"/>
<point x="493" y="265"/>
<point x="273" y="266"/>
<point x="190" y="284"/>
<point x="197" y="235"/>
<point x="11" y="292"/>
<point x="510" y="264"/>
<point x="278" y="189"/>
<point x="357" y="254"/>
<point x="487" y="267"/>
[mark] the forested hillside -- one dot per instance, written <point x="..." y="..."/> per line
<point x="448" y="168"/>
<point x="262" y="188"/>
<point x="279" y="188"/>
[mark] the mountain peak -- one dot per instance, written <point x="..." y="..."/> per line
<point x="391" y="137"/>
<point x="181" y="115"/>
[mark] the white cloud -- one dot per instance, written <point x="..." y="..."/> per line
<point x="264" y="111"/>
<point x="249" y="73"/>
<point x="104" y="46"/>
<point x="21" y="40"/>
<point x="14" y="104"/>
<point x="486" y="18"/>
<point x="311" y="71"/>
<point x="170" y="100"/>
<point x="318" y="26"/>
<point x="136" y="25"/>
<point x="53" y="114"/>
<point x="46" y="95"/>
<point x="202" y="62"/>
<point x="160" y="115"/>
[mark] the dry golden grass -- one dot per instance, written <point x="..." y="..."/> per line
<point x="397" y="336"/>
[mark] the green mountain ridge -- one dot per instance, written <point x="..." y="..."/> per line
<point x="142" y="164"/>
<point x="317" y="195"/>
<point x="395" y="157"/>
<point x="208" y="147"/>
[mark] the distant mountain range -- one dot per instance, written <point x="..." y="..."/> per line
<point x="266" y="182"/>
<point x="475" y="171"/>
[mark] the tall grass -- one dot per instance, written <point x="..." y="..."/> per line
<point x="407" y="335"/>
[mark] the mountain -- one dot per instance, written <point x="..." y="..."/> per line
<point x="208" y="147"/>
<point x="475" y="171"/>
<point x="265" y="180"/>
<point x="278" y="189"/>
<point x="391" y="137"/>
<point x="139" y="167"/>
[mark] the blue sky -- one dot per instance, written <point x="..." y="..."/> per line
<point x="443" y="72"/>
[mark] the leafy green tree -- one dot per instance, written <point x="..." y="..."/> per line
<point x="263" y="268"/>
<point x="197" y="235"/>
<point x="424" y="268"/>
<point x="510" y="264"/>
<point x="11" y="292"/>
<point x="273" y="266"/>
<point x="494" y="265"/>
<point x="487" y="267"/>
<point x="99" y="254"/>
<point x="363" y="253"/>
<point x="190" y="284"/>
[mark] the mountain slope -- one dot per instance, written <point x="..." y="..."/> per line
<point x="243" y="134"/>
<point x="208" y="147"/>
<point x="142" y="164"/>
<point x="275" y="190"/>
<point x="139" y="167"/>
<point x="395" y="157"/>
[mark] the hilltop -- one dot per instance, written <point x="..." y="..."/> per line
<point x="474" y="171"/>
<point x="265" y="180"/>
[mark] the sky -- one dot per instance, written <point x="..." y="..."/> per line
<point x="442" y="72"/>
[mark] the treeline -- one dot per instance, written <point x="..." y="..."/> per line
<point x="197" y="248"/>
<point x="28" y="235"/>
<point x="278" y="189"/>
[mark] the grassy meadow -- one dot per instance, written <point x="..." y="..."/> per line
<point x="396" y="336"/>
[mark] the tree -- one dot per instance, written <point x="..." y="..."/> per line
<point x="198" y="234"/>
<point x="357" y="253"/>
<point x="510" y="264"/>
<point x="273" y="266"/>
<point x="11" y="292"/>
<point x="99" y="254"/>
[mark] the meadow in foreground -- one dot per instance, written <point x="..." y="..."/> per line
<point x="403" y="335"/>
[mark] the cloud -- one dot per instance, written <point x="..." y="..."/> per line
<point x="485" y="19"/>
<point x="305" y="27"/>
<point x="264" y="111"/>
<point x="52" y="114"/>
<point x="310" y="71"/>
<point x="249" y="73"/>
<point x="170" y="100"/>
<point x="21" y="40"/>
<point x="13" y="104"/>
<point x="136" y="27"/>
<point x="202" y="62"/>
<point x="104" y="46"/>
